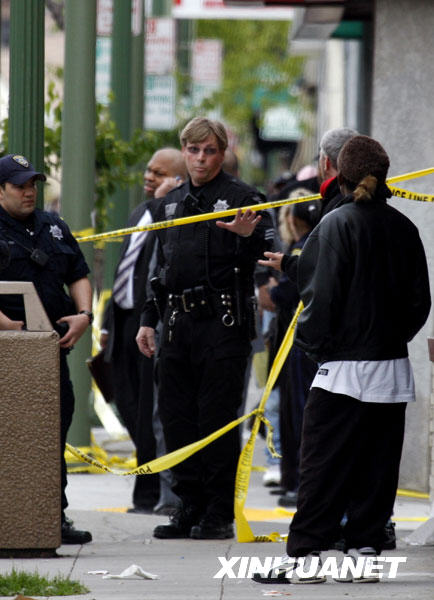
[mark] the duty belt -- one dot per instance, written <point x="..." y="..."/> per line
<point x="202" y="303"/>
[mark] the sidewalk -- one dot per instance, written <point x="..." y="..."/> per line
<point x="186" y="568"/>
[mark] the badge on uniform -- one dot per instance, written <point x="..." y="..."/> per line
<point x="170" y="210"/>
<point x="220" y="205"/>
<point x="56" y="232"/>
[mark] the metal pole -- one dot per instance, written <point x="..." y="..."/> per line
<point x="137" y="85"/>
<point x="118" y="208"/>
<point x="78" y="172"/>
<point x="26" y="83"/>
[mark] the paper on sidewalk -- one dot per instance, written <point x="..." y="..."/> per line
<point x="131" y="571"/>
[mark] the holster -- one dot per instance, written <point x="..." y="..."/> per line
<point x="160" y="296"/>
<point x="251" y="307"/>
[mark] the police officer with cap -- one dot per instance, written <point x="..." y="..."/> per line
<point x="43" y="251"/>
<point x="206" y="284"/>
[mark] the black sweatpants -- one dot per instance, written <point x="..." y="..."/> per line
<point x="201" y="378"/>
<point x="350" y="455"/>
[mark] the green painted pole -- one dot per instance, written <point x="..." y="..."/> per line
<point x="118" y="208"/>
<point x="161" y="8"/>
<point x="78" y="174"/>
<point x="26" y="83"/>
<point x="137" y="83"/>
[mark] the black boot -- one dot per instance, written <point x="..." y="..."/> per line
<point x="211" y="528"/>
<point x="70" y="535"/>
<point x="180" y="524"/>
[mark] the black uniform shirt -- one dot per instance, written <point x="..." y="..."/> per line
<point x="65" y="263"/>
<point x="202" y="253"/>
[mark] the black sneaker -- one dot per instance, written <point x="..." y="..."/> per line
<point x="70" y="535"/>
<point x="389" y="542"/>
<point x="140" y="510"/>
<point x="211" y="529"/>
<point x="180" y="524"/>
<point x="389" y="539"/>
<point x="289" y="499"/>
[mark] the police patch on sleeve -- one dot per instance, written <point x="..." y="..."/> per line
<point x="220" y="205"/>
<point x="56" y="232"/>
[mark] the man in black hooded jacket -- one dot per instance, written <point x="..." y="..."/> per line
<point x="363" y="280"/>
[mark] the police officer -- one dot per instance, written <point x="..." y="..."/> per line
<point x="43" y="250"/>
<point x="206" y="283"/>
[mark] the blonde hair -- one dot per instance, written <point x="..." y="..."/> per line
<point x="199" y="128"/>
<point x="284" y="231"/>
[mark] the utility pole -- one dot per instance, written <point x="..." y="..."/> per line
<point x="78" y="173"/>
<point x="118" y="208"/>
<point x="26" y="83"/>
<point x="137" y="84"/>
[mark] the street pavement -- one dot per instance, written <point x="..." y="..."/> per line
<point x="186" y="568"/>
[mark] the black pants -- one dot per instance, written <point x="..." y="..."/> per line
<point x="133" y="382"/>
<point x="201" y="379"/>
<point x="350" y="457"/>
<point x="66" y="411"/>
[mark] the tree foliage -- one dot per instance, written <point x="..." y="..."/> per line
<point x="258" y="71"/>
<point x="118" y="162"/>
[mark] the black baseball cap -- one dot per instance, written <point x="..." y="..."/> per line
<point x="16" y="169"/>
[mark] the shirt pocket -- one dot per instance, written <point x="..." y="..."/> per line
<point x="60" y="258"/>
<point x="19" y="266"/>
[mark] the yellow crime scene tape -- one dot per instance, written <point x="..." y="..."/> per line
<point x="110" y="235"/>
<point x="411" y="195"/>
<point x="244" y="532"/>
<point x="168" y="460"/>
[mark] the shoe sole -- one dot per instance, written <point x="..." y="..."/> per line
<point x="75" y="542"/>
<point x="361" y="580"/>
<point x="306" y="580"/>
<point x="273" y="579"/>
<point x="286" y="580"/>
<point x="271" y="483"/>
<point x="166" y="535"/>
<point x="197" y="536"/>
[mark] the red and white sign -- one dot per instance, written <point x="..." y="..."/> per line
<point x="160" y="46"/>
<point x="137" y="17"/>
<point x="104" y="17"/>
<point x="218" y="9"/>
<point x="206" y="63"/>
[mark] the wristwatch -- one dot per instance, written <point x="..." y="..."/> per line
<point x="89" y="315"/>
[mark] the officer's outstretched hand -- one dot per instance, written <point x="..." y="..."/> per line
<point x="243" y="224"/>
<point x="77" y="325"/>
<point x="145" y="339"/>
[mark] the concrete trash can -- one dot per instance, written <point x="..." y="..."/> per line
<point x="29" y="432"/>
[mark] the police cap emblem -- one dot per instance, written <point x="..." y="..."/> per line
<point x="21" y="160"/>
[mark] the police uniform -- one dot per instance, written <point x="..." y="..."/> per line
<point x="64" y="264"/>
<point x="206" y="279"/>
